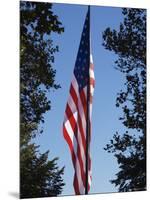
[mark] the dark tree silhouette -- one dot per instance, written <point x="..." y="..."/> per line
<point x="39" y="176"/>
<point x="37" y="21"/>
<point x="129" y="43"/>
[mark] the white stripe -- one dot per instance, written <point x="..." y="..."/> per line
<point x="91" y="90"/>
<point x="81" y="148"/>
<point x="71" y="133"/>
<point x="80" y="107"/>
<point x="89" y="179"/>
<point x="84" y="127"/>
<point x="85" y="92"/>
<point x="77" y="167"/>
<point x="82" y="114"/>
<point x="92" y="74"/>
<point x="78" y="173"/>
<point x="75" y="85"/>
<point x="70" y="99"/>
<point x="72" y="104"/>
<point x="74" y="110"/>
<point x="90" y="111"/>
<point x="91" y="58"/>
<point x="73" y="139"/>
<point x="90" y="172"/>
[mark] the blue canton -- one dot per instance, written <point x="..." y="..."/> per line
<point x="81" y="70"/>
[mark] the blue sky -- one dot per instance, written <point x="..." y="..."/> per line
<point x="108" y="82"/>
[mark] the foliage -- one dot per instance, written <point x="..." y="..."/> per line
<point x="37" y="22"/>
<point x="39" y="176"/>
<point x="129" y="43"/>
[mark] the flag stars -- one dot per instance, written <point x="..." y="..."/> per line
<point x="80" y="85"/>
<point x="84" y="60"/>
<point x="82" y="65"/>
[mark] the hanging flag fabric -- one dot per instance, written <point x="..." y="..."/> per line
<point x="75" y="121"/>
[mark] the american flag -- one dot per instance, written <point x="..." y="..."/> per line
<point x="75" y="121"/>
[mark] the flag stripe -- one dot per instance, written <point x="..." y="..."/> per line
<point x="83" y="101"/>
<point x="79" y="185"/>
<point x="76" y="185"/>
<point x="79" y="147"/>
<point x="74" y="93"/>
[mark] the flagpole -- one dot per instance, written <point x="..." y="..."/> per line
<point x="87" y="117"/>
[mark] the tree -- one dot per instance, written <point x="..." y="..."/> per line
<point x="129" y="148"/>
<point x="37" y="21"/>
<point x="37" y="77"/>
<point x="39" y="177"/>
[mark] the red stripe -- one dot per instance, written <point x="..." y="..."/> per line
<point x="82" y="133"/>
<point x="92" y="82"/>
<point x="91" y="66"/>
<point x="68" y="112"/>
<point x="91" y="99"/>
<point x="74" y="95"/>
<point x="84" y="104"/>
<point x="83" y="101"/>
<point x="84" y="146"/>
<point x="74" y="128"/>
<point x="71" y="119"/>
<point x="78" y="130"/>
<point x="76" y="185"/>
<point x="68" y="140"/>
<point x="81" y="165"/>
